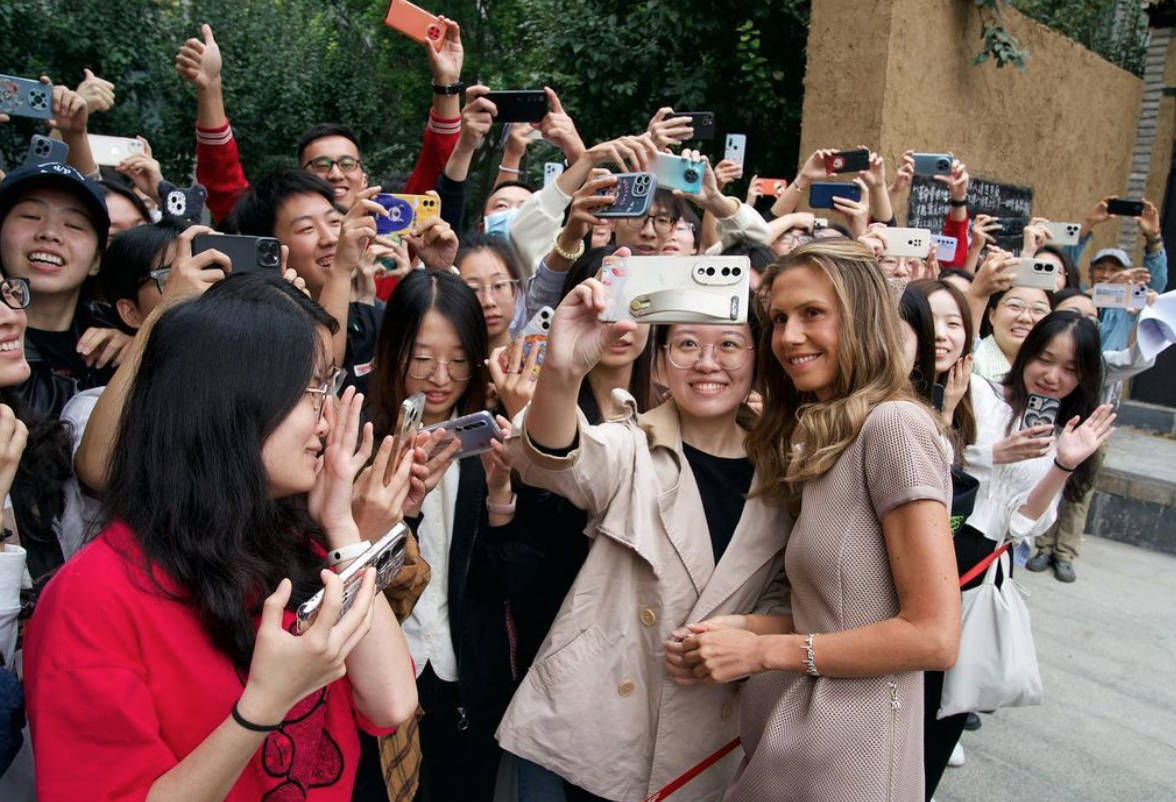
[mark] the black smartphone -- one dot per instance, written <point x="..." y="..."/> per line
<point x="703" y="123"/>
<point x="937" y="396"/>
<point x="1125" y="208"/>
<point x="519" y="105"/>
<point x="847" y="161"/>
<point x="247" y="254"/>
<point x="1011" y="226"/>
<point x="822" y="193"/>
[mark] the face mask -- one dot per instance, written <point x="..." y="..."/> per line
<point x="498" y="223"/>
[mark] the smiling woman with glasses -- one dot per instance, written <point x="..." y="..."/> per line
<point x="1010" y="317"/>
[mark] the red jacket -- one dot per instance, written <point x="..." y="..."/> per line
<point x="959" y="230"/>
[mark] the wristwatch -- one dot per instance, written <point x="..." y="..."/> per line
<point x="450" y="89"/>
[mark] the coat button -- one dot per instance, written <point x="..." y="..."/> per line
<point x="626" y="688"/>
<point x="648" y="617"/>
<point x="725" y="712"/>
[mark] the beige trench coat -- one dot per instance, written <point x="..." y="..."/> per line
<point x="597" y="706"/>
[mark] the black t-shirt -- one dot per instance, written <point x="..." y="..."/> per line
<point x="723" y="482"/>
<point x="58" y="371"/>
<point x="363" y="326"/>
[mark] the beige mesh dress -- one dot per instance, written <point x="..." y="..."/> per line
<point x="840" y="740"/>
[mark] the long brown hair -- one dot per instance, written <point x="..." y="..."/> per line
<point x="798" y="437"/>
<point x="963" y="419"/>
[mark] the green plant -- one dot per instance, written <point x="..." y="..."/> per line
<point x="999" y="45"/>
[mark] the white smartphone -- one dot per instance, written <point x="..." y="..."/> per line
<point x="910" y="243"/>
<point x="1036" y="273"/>
<point x="111" y="150"/>
<point x="386" y="555"/>
<point x="677" y="289"/>
<point x="551" y="171"/>
<point x="736" y="148"/>
<point x="1062" y="233"/>
<point x="945" y="247"/>
<point x="1119" y="296"/>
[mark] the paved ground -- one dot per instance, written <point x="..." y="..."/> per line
<point x="1107" y="729"/>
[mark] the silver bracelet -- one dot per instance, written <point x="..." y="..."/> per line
<point x="810" y="667"/>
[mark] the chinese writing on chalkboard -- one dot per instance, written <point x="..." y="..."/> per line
<point x="928" y="204"/>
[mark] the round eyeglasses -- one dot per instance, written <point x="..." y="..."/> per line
<point x="328" y="389"/>
<point x="422" y="367"/>
<point x="15" y="292"/>
<point x="685" y="353"/>
<point x="506" y="288"/>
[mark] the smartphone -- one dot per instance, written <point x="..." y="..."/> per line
<point x="847" y="161"/>
<point x="45" y="149"/>
<point x="1124" y="207"/>
<point x="188" y="203"/>
<point x="1036" y="273"/>
<point x="1063" y="233"/>
<point x="820" y="222"/>
<point x="406" y="213"/>
<point x="1119" y="296"/>
<point x="551" y="171"/>
<point x="248" y="254"/>
<point x="534" y="335"/>
<point x="945" y="248"/>
<point x="519" y="105"/>
<point x="386" y="555"/>
<point x="677" y="289"/>
<point x="910" y="243"/>
<point x="676" y="172"/>
<point x="408" y="424"/>
<point x="937" y="396"/>
<point x="415" y="23"/>
<point x="1040" y="410"/>
<point x="476" y="432"/>
<point x="703" y="123"/>
<point x="1011" y="226"/>
<point x="633" y="193"/>
<point x="111" y="150"/>
<point x="25" y="97"/>
<point x="771" y="187"/>
<point x="822" y="193"/>
<point x="736" y="148"/>
<point x="932" y="163"/>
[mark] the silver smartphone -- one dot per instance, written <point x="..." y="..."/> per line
<point x="386" y="555"/>
<point x="476" y="432"/>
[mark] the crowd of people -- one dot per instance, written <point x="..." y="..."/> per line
<point x="682" y="533"/>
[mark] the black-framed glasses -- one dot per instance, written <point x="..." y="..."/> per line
<point x="159" y="276"/>
<point x="16" y="293"/>
<point x="328" y="389"/>
<point x="662" y="224"/>
<point x="685" y="353"/>
<point x="423" y="366"/>
<point x="504" y="288"/>
<point x="323" y="164"/>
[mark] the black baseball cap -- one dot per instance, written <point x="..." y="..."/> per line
<point x="57" y="176"/>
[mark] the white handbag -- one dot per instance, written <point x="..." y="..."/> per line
<point x="997" y="665"/>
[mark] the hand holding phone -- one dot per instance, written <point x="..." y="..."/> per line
<point x="406" y="213"/>
<point x="1124" y="207"/>
<point x="676" y="289"/>
<point x="248" y="254"/>
<point x="1119" y="295"/>
<point x="770" y="187"/>
<point x="932" y="163"/>
<point x="633" y="193"/>
<point x="822" y="193"/>
<point x="676" y="172"/>
<point x="909" y="243"/>
<point x="1040" y="410"/>
<point x="1036" y="273"/>
<point x="25" y="97"/>
<point x="519" y="105"/>
<point x="475" y="432"/>
<point x="386" y="556"/>
<point x="847" y="161"/>
<point x="736" y="149"/>
<point x="702" y="123"/>
<point x="415" y="23"/>
<point x="112" y="150"/>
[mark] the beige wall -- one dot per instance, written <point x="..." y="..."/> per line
<point x="897" y="75"/>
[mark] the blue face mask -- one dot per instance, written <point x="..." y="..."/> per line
<point x="498" y="223"/>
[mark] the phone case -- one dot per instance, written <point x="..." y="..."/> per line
<point x="1125" y="208"/>
<point x="847" y="161"/>
<point x="386" y="555"/>
<point x="822" y="193"/>
<point x="476" y="432"/>
<point x="25" y="97"/>
<point x="771" y="187"/>
<point x="702" y="122"/>
<point x="1063" y="233"/>
<point x="1010" y="227"/>
<point x="1036" y="273"/>
<point x="676" y="172"/>
<point x="408" y="423"/>
<point x="415" y="23"/>
<point x="406" y="213"/>
<point x="1040" y="410"/>
<point x="111" y="150"/>
<point x="1119" y="296"/>
<point x="909" y="243"/>
<point x="42" y="150"/>
<point x="932" y="163"/>
<point x="677" y="289"/>
<point x="535" y="334"/>
<point x="551" y="171"/>
<point x="519" y="105"/>
<point x="248" y="254"/>
<point x="736" y="148"/>
<point x="185" y="202"/>
<point x="945" y="247"/>
<point x="634" y="195"/>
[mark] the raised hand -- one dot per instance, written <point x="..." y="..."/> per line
<point x="190" y="275"/>
<point x="1078" y="442"/>
<point x="198" y="61"/>
<point x="634" y="154"/>
<point x="956" y="386"/>
<point x="875" y="176"/>
<point x="97" y="92"/>
<point x="1149" y="221"/>
<point x="1035" y="236"/>
<point x="578" y="337"/>
<point x="345" y="454"/>
<point x="357" y="229"/>
<point x="856" y="213"/>
<point x="957" y="181"/>
<point x="665" y="129"/>
<point x="13" y="436"/>
<point x="513" y="377"/>
<point x="1030" y="443"/>
<point x="445" y="62"/>
<point x="100" y="347"/>
<point x="559" y="129"/>
<point x="995" y="274"/>
<point x="726" y="171"/>
<point x="904" y="174"/>
<point x="377" y="501"/>
<point x="435" y="243"/>
<point x="69" y="110"/>
<point x="143" y="170"/>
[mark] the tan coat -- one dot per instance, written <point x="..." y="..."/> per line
<point x="597" y="706"/>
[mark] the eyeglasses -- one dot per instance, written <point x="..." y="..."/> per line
<point x="1017" y="308"/>
<point x="323" y="164"/>
<point x="661" y="223"/>
<point x="15" y="292"/>
<point x="507" y="288"/>
<point x="685" y="353"/>
<point x="329" y="388"/>
<point x="422" y="367"/>
<point x="158" y="276"/>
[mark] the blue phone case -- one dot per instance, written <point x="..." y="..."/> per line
<point x="675" y="172"/>
<point x="24" y="97"/>
<point x="634" y="195"/>
<point x="822" y="193"/>
<point x="932" y="163"/>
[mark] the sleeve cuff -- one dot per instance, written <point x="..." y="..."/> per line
<point x="444" y="125"/>
<point x="221" y="135"/>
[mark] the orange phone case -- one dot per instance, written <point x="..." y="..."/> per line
<point x="424" y="207"/>
<point x="773" y="187"/>
<point x="415" y="23"/>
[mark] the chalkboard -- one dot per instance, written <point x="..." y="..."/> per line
<point x="927" y="207"/>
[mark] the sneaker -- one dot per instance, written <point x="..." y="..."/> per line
<point x="1039" y="561"/>
<point x="972" y="722"/>
<point x="1064" y="571"/>
<point x="957" y="758"/>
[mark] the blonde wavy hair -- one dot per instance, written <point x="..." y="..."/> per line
<point x="798" y="437"/>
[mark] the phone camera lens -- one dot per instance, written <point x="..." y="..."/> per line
<point x="691" y="174"/>
<point x="726" y="271"/>
<point x="710" y="271"/>
<point x="736" y="271"/>
<point x="383" y="560"/>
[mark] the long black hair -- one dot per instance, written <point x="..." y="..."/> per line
<point x="963" y="420"/>
<point x="217" y="376"/>
<point x="916" y="311"/>
<point x="416" y="294"/>
<point x="131" y="255"/>
<point x="1081" y="401"/>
